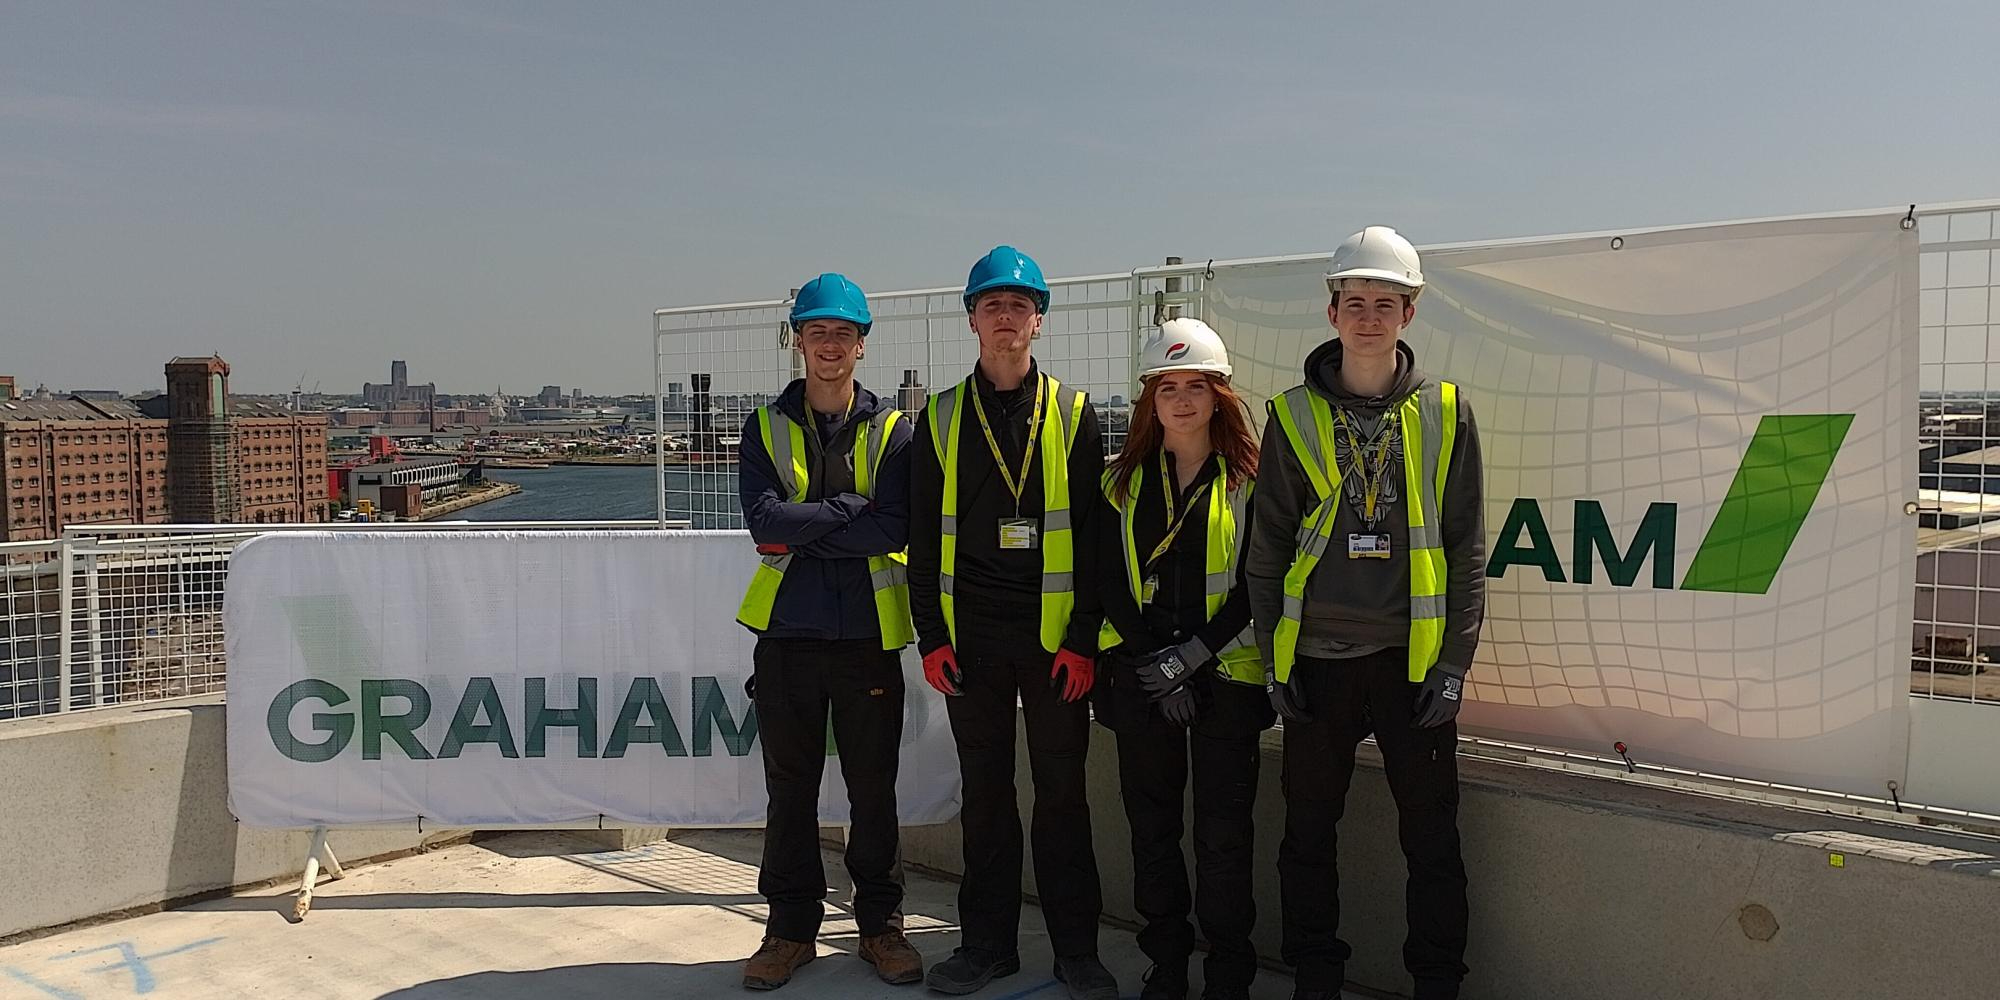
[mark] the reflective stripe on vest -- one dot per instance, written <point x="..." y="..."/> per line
<point x="1062" y="415"/>
<point x="888" y="576"/>
<point x="1429" y="419"/>
<point x="1222" y="553"/>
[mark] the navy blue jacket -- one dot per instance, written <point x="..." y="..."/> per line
<point x="826" y="594"/>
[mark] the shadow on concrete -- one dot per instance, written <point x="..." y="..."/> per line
<point x="621" y="979"/>
<point x="828" y="976"/>
<point x="203" y="854"/>
<point x="550" y="844"/>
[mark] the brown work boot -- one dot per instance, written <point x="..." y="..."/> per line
<point x="775" y="962"/>
<point x="895" y="959"/>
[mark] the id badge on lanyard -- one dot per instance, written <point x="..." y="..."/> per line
<point x="1368" y="546"/>
<point x="1017" y="533"/>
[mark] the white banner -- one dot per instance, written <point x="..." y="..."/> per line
<point x="1698" y="447"/>
<point x="485" y="678"/>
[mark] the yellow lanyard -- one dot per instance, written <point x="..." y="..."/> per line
<point x="1371" y="472"/>
<point x="1174" y="521"/>
<point x="1014" y="486"/>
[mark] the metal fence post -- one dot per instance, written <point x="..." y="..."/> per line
<point x="92" y="607"/>
<point x="65" y="609"/>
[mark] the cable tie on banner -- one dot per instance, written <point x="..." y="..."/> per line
<point x="1893" y="797"/>
<point x="1620" y="747"/>
<point x="1208" y="270"/>
<point x="1910" y="220"/>
<point x="1159" y="307"/>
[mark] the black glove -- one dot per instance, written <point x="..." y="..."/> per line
<point x="1167" y="670"/>
<point x="1179" y="706"/>
<point x="1438" y="699"/>
<point x="1289" y="698"/>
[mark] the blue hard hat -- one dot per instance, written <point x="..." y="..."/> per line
<point x="1006" y="267"/>
<point x="832" y="296"/>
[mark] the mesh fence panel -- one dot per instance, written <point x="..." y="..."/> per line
<point x="1957" y="637"/>
<point x="30" y="629"/>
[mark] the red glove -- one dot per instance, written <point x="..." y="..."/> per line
<point x="1082" y="674"/>
<point x="941" y="671"/>
<point x="772" y="549"/>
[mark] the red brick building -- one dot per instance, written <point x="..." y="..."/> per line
<point x="190" y="456"/>
<point x="280" y="463"/>
<point x="71" y="461"/>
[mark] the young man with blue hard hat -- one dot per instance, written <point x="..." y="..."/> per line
<point x="824" y="480"/>
<point x="1004" y="477"/>
<point x="1366" y="575"/>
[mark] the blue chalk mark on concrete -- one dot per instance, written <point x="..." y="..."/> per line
<point x="46" y="989"/>
<point x="143" y="979"/>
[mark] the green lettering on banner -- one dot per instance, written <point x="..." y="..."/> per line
<point x="582" y="718"/>
<point x="338" y="726"/>
<point x="400" y="728"/>
<point x="1541" y="551"/>
<point x="711" y="715"/>
<point x="466" y="728"/>
<point x="644" y="696"/>
<point x="1655" y="537"/>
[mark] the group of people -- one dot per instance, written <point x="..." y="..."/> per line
<point x="1194" y="588"/>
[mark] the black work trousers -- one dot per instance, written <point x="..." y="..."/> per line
<point x="1154" y="760"/>
<point x="1348" y="700"/>
<point x="1003" y="662"/>
<point x="799" y="682"/>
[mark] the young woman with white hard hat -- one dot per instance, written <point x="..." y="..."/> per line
<point x="1184" y="685"/>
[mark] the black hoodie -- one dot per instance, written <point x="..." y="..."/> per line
<point x="1353" y="605"/>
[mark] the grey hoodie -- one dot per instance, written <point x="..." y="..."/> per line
<point x="1353" y="605"/>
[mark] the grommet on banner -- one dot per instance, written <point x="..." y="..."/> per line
<point x="1910" y="220"/>
<point x="1208" y="270"/>
<point x="1617" y="242"/>
<point x="1620" y="747"/>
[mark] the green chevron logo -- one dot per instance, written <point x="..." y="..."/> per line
<point x="1775" y="488"/>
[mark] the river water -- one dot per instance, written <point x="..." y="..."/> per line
<point x="704" y="496"/>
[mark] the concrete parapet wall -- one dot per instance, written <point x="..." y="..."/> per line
<point x="1590" y="888"/>
<point x="120" y="808"/>
<point x="1581" y="886"/>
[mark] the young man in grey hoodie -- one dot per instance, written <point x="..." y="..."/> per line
<point x="1367" y="585"/>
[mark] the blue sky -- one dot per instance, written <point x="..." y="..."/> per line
<point x="502" y="193"/>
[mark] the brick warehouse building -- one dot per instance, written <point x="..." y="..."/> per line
<point x="70" y="461"/>
<point x="190" y="456"/>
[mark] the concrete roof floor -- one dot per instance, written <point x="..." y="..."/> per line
<point x="517" y="916"/>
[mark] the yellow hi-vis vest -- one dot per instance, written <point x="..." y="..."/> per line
<point x="1429" y="419"/>
<point x="785" y="441"/>
<point x="1062" y="415"/>
<point x="1223" y="553"/>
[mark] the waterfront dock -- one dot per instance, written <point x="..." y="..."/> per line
<point x="491" y="490"/>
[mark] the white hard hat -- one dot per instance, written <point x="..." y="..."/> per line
<point x="1183" y="345"/>
<point x="1377" y="253"/>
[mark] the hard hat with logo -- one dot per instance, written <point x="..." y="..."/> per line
<point x="832" y="296"/>
<point x="1183" y="345"/>
<point x="1377" y="253"/>
<point x="1006" y="267"/>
